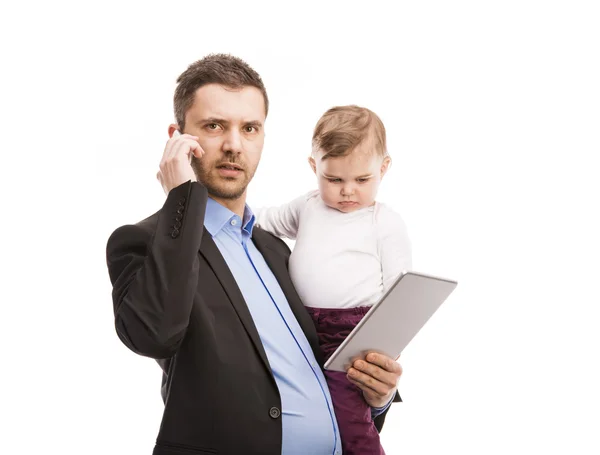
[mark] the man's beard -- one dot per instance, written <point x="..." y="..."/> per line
<point x="218" y="186"/>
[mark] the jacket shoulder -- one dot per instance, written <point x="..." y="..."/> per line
<point x="271" y="241"/>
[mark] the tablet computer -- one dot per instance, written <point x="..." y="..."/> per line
<point x="394" y="320"/>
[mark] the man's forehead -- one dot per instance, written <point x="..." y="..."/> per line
<point x="244" y="104"/>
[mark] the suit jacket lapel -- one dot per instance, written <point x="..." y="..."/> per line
<point x="278" y="266"/>
<point x="213" y="256"/>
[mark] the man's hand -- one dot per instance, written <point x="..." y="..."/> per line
<point x="175" y="167"/>
<point x="377" y="377"/>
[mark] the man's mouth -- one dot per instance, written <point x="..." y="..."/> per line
<point x="229" y="170"/>
<point x="230" y="166"/>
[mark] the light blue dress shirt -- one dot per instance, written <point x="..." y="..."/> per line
<point x="308" y="418"/>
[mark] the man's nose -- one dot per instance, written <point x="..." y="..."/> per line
<point x="233" y="142"/>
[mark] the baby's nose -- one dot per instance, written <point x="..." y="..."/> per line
<point x="347" y="190"/>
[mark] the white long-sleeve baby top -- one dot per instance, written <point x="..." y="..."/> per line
<point x="340" y="260"/>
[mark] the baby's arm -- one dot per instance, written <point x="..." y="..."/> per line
<point x="395" y="248"/>
<point x="282" y="221"/>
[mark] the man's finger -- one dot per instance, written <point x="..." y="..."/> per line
<point x="369" y="382"/>
<point x="373" y="397"/>
<point x="366" y="389"/>
<point x="185" y="147"/>
<point x="378" y="373"/>
<point x="169" y="149"/>
<point x="197" y="151"/>
<point x="385" y="362"/>
<point x="174" y="145"/>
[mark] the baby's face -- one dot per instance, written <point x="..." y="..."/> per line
<point x="349" y="183"/>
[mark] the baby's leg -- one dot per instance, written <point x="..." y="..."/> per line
<point x="357" y="430"/>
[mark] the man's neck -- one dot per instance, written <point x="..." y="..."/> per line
<point x="237" y="206"/>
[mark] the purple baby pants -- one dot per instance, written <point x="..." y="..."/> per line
<point x="357" y="430"/>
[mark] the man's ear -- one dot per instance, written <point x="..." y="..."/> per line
<point x="172" y="128"/>
<point x="312" y="163"/>
<point x="385" y="165"/>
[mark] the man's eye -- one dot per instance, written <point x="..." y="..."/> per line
<point x="250" y="129"/>
<point x="212" y="126"/>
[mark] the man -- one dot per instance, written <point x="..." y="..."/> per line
<point x="199" y="288"/>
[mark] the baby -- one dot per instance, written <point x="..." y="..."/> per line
<point x="348" y="251"/>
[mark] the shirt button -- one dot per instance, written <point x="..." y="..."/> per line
<point x="274" y="412"/>
<point x="233" y="222"/>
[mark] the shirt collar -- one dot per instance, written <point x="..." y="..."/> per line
<point x="217" y="216"/>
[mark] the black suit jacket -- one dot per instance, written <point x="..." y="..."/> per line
<point x="176" y="301"/>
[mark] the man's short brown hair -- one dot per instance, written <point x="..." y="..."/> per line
<point x="223" y="69"/>
<point x="343" y="128"/>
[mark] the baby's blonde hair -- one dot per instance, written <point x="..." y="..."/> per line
<point x="343" y="128"/>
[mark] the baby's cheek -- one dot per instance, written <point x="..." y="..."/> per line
<point x="328" y="199"/>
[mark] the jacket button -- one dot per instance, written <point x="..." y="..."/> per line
<point x="174" y="233"/>
<point x="274" y="412"/>
<point x="181" y="200"/>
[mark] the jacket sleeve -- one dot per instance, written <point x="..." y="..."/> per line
<point x="153" y="267"/>
<point x="380" y="419"/>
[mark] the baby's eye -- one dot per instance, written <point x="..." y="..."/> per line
<point x="362" y="180"/>
<point x="335" y="180"/>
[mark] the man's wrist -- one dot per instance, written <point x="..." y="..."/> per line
<point x="377" y="411"/>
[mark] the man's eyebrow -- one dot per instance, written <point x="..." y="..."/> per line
<point x="203" y="121"/>
<point x="211" y="120"/>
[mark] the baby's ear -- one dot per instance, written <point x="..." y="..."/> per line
<point x="385" y="165"/>
<point x="312" y="163"/>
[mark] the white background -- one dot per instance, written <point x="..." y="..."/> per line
<point x="493" y="115"/>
